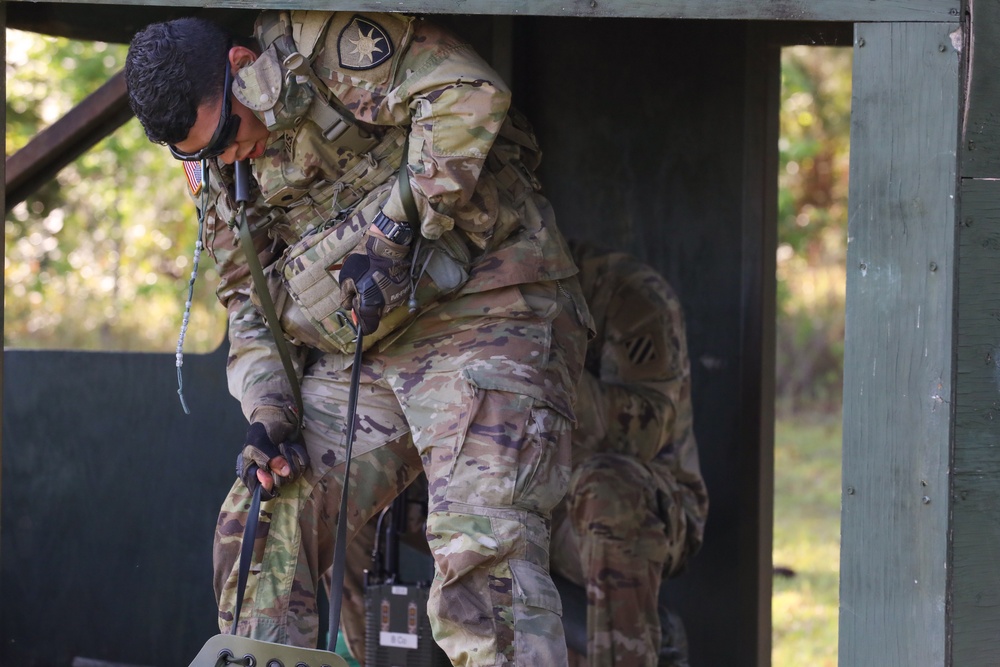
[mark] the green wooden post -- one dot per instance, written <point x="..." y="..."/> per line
<point x="975" y="576"/>
<point x="975" y="589"/>
<point x="899" y="354"/>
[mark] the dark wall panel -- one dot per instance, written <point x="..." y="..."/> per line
<point x="980" y="149"/>
<point x="110" y="496"/>
<point x="642" y="124"/>
<point x="975" y="494"/>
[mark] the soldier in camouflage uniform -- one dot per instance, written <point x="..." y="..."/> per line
<point x="473" y="382"/>
<point x="636" y="506"/>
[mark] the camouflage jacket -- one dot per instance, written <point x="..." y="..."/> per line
<point x="635" y="394"/>
<point x="470" y="160"/>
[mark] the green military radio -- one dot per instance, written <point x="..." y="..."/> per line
<point x="397" y="628"/>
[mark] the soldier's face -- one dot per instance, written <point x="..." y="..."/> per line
<point x="250" y="140"/>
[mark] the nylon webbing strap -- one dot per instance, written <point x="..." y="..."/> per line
<point x="246" y="554"/>
<point x="405" y="193"/>
<point x="260" y="283"/>
<point x="340" y="549"/>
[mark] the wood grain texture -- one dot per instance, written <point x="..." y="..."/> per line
<point x="792" y="10"/>
<point x="899" y="346"/>
<point x="976" y="492"/>
<point x="981" y="128"/>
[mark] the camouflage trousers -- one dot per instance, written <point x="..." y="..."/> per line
<point x="615" y="533"/>
<point x="476" y="393"/>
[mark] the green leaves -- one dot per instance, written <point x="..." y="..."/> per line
<point x="814" y="146"/>
<point x="814" y="149"/>
<point x="99" y="258"/>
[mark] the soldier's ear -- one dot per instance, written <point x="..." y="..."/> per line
<point x="240" y="57"/>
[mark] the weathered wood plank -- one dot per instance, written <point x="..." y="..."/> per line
<point x="757" y="359"/>
<point x="981" y="130"/>
<point x="899" y="346"/>
<point x="794" y="10"/>
<point x="976" y="490"/>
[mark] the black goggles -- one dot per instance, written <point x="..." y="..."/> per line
<point x="225" y="131"/>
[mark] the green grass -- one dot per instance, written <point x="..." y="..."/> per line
<point x="807" y="540"/>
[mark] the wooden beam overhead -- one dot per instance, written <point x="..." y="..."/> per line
<point x="784" y="10"/>
<point x="87" y="123"/>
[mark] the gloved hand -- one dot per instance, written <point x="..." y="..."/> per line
<point x="269" y="457"/>
<point x="374" y="279"/>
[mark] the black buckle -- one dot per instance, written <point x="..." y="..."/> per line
<point x="395" y="231"/>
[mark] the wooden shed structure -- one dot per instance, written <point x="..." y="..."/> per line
<point x="659" y="122"/>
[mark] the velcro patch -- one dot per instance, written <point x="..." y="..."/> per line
<point x="195" y="176"/>
<point x="363" y="44"/>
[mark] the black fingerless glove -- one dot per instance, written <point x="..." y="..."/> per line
<point x="260" y="448"/>
<point x="375" y="276"/>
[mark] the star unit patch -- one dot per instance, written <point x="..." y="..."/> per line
<point x="363" y="44"/>
<point x="195" y="176"/>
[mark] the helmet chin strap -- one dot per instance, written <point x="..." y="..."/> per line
<point x="340" y="548"/>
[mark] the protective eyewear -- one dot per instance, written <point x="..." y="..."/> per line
<point x="225" y="131"/>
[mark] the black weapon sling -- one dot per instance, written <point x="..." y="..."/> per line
<point x="273" y="323"/>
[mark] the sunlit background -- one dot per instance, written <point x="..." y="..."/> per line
<point x="100" y="257"/>
<point x="811" y="261"/>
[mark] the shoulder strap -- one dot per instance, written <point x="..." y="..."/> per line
<point x="405" y="192"/>
<point x="270" y="315"/>
<point x="340" y="555"/>
<point x="296" y="47"/>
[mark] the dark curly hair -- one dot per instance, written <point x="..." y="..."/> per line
<point x="171" y="69"/>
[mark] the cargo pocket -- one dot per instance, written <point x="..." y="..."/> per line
<point x="533" y="591"/>
<point x="544" y="470"/>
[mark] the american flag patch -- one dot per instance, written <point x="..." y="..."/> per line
<point x="193" y="171"/>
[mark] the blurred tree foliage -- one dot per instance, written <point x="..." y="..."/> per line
<point x="812" y="225"/>
<point x="101" y="257"/>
